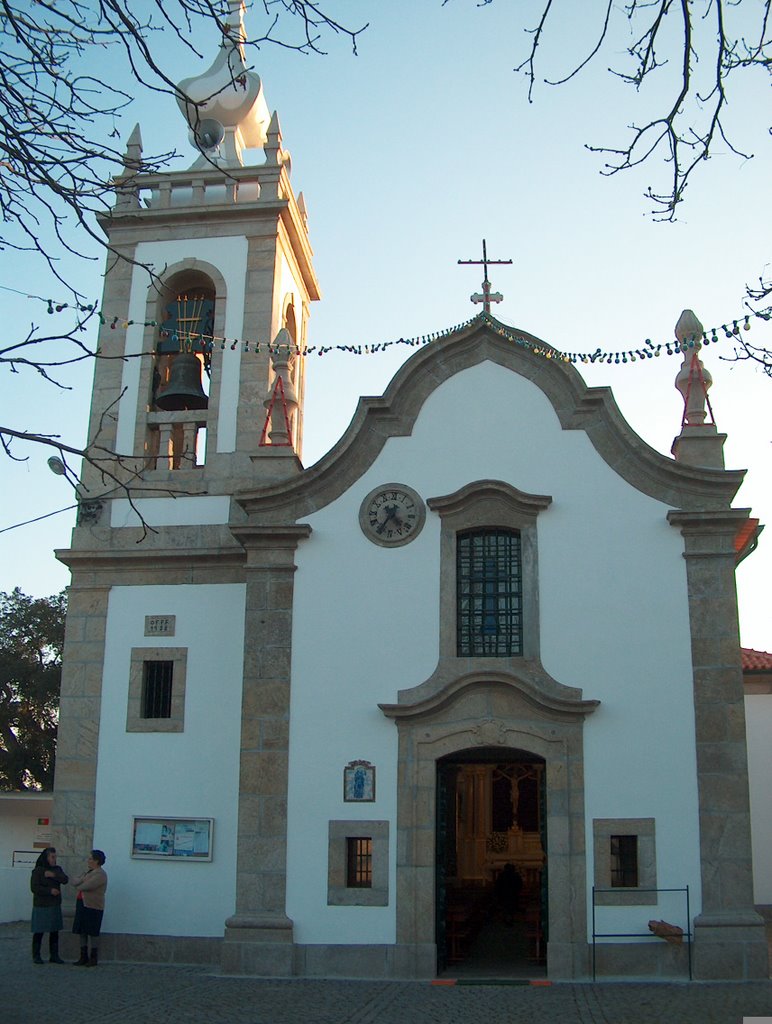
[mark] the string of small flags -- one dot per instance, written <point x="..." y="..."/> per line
<point x="208" y="343"/>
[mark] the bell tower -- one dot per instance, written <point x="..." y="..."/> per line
<point x="210" y="301"/>
<point x="198" y="395"/>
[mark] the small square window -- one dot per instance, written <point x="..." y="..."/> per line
<point x="157" y="685"/>
<point x="624" y="861"/>
<point x="157" y="678"/>
<point x="359" y="862"/>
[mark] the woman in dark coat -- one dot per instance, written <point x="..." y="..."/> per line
<point x="46" y="885"/>
<point x="89" y="907"/>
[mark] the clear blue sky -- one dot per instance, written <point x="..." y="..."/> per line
<point x="408" y="155"/>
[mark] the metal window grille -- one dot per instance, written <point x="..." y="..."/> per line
<point x="489" y="575"/>
<point x="359" y="866"/>
<point x="624" y="862"/>
<point x="157" y="689"/>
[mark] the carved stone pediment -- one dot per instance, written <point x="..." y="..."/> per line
<point x="533" y="692"/>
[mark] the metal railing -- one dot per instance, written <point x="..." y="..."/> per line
<point x="686" y="932"/>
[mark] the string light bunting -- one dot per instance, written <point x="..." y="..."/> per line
<point x="648" y="350"/>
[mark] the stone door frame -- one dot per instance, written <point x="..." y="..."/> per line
<point x="498" y="710"/>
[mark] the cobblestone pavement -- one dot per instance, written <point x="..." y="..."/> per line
<point x="141" y="994"/>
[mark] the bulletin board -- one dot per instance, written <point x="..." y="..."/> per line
<point x="172" y="839"/>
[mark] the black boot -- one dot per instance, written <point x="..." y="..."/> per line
<point x="83" y="962"/>
<point x="53" y="948"/>
<point x="94" y="958"/>
<point x="37" y="939"/>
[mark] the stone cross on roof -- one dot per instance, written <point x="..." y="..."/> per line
<point x="487" y="296"/>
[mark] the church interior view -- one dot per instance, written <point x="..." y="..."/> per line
<point x="492" y="866"/>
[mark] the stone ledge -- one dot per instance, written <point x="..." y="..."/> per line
<point x="650" y="960"/>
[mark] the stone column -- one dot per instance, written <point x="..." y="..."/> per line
<point x="729" y="935"/>
<point x="78" y="737"/>
<point x="258" y="936"/>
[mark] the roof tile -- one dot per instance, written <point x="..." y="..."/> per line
<point x="755" y="661"/>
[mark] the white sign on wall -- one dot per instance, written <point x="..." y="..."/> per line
<point x="25" y="858"/>
<point x="42" y="833"/>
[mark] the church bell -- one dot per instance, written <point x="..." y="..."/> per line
<point x="183" y="390"/>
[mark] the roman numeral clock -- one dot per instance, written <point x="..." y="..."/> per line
<point x="391" y="515"/>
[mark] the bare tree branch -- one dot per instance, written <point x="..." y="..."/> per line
<point x="687" y="130"/>
<point x="120" y="475"/>
<point x="709" y="48"/>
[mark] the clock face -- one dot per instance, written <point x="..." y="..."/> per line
<point x="391" y="515"/>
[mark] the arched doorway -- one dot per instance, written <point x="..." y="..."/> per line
<point x="491" y="888"/>
<point x="523" y="715"/>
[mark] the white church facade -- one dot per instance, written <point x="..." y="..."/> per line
<point x="311" y="714"/>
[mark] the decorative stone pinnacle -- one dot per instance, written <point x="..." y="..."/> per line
<point x="693" y="380"/>
<point x="126" y="192"/>
<point x="689" y="328"/>
<point x="280" y="414"/>
<point x="132" y="158"/>
<point x="224" y="107"/>
<point x="303" y="207"/>
<point x="234" y="23"/>
<point x="699" y="443"/>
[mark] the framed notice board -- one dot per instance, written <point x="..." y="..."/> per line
<point x="172" y="838"/>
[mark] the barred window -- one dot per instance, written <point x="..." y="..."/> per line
<point x="157" y="684"/>
<point x="624" y="861"/>
<point x="489" y="580"/>
<point x="157" y="689"/>
<point x="359" y="866"/>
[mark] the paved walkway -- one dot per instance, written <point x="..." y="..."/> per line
<point x="141" y="994"/>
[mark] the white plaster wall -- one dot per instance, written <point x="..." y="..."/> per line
<point x="229" y="255"/>
<point x="15" y="894"/>
<point x="613" y="622"/>
<point x="758" y="728"/>
<point x="190" y="774"/>
<point x="191" y="511"/>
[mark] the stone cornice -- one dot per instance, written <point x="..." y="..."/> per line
<point x="520" y="501"/>
<point x="710" y="532"/>
<point x="142" y="559"/>
<point x="277" y="542"/>
<point x="709" y="521"/>
<point x="123" y="220"/>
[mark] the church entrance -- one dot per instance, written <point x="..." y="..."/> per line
<point x="491" y="885"/>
